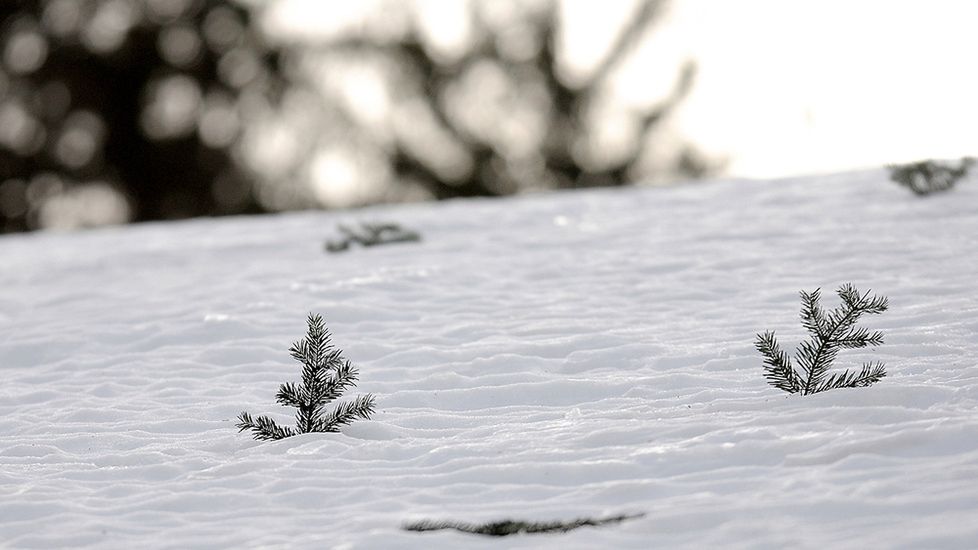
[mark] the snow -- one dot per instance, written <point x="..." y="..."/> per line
<point x="550" y="357"/>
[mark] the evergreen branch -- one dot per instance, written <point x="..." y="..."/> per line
<point x="860" y="338"/>
<point x="345" y="377"/>
<point x="319" y="339"/>
<point x="290" y="395"/>
<point x="329" y="383"/>
<point x="839" y="380"/>
<point x="849" y="295"/>
<point x="862" y="303"/>
<point x="345" y="413"/>
<point x="870" y="374"/>
<point x="830" y="333"/>
<point x="263" y="427"/>
<point x="840" y="321"/>
<point x="332" y="361"/>
<point x="372" y="234"/>
<point x="307" y="417"/>
<point x="312" y="349"/>
<point x="876" y="305"/>
<point x="812" y="314"/>
<point x="815" y="357"/>
<point x="844" y="318"/>
<point x="310" y="377"/>
<point x="317" y="328"/>
<point x="777" y="364"/>
<point x="511" y="527"/>
<point x="926" y="177"/>
<point x="300" y="351"/>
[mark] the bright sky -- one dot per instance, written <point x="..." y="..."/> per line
<point x="795" y="87"/>
<point x="782" y="88"/>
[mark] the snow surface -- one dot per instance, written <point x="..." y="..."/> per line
<point x="549" y="357"/>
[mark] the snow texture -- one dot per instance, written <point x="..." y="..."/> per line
<point x="551" y="357"/>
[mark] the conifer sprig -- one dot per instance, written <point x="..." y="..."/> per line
<point x="263" y="427"/>
<point x="777" y="364"/>
<point x="325" y="376"/>
<point x="830" y="332"/>
<point x="928" y="176"/>
<point x="516" y="527"/>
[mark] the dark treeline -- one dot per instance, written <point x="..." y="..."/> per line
<point x="148" y="101"/>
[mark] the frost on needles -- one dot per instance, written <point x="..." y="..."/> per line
<point x="325" y="376"/>
<point x="830" y="332"/>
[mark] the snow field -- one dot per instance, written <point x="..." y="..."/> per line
<point x="546" y="357"/>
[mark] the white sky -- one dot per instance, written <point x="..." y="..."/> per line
<point x="793" y="87"/>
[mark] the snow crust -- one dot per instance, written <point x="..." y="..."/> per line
<point x="548" y="357"/>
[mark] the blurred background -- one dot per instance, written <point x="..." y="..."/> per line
<point x="116" y="111"/>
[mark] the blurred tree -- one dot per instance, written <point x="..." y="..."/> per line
<point x="118" y="110"/>
<point x="493" y="112"/>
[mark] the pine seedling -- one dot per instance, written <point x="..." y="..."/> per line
<point x="372" y="234"/>
<point x="830" y="332"/>
<point x="928" y="176"/>
<point x="325" y="376"/>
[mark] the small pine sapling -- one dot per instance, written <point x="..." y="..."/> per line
<point x="372" y="234"/>
<point x="830" y="332"/>
<point x="325" y="376"/>
<point x="928" y="176"/>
